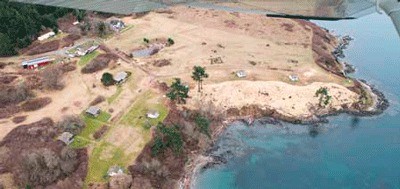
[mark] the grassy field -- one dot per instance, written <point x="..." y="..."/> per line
<point x="92" y="125"/>
<point x="115" y="95"/>
<point x="87" y="58"/>
<point x="136" y="116"/>
<point x="103" y="156"/>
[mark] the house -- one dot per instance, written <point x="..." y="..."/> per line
<point x="66" y="137"/>
<point x="120" y="77"/>
<point x="92" y="48"/>
<point x="293" y="78"/>
<point x="117" y="25"/>
<point x="75" y="23"/>
<point x="46" y="36"/>
<point x="153" y="114"/>
<point x="93" y="111"/>
<point x="241" y="74"/>
<point x="36" y="63"/>
<point x="115" y="170"/>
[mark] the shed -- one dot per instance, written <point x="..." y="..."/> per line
<point x="93" y="111"/>
<point x="117" y="24"/>
<point x="241" y="74"/>
<point x="115" y="170"/>
<point x="66" y="137"/>
<point x="120" y="77"/>
<point x="46" y="36"/>
<point x="153" y="114"/>
<point x="293" y="78"/>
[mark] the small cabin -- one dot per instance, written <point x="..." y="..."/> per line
<point x="294" y="78"/>
<point x="117" y="25"/>
<point x="153" y="114"/>
<point x="115" y="170"/>
<point x="241" y="74"/>
<point x="66" y="137"/>
<point x="120" y="77"/>
<point x="93" y="111"/>
<point x="36" y="63"/>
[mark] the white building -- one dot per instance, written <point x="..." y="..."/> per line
<point x="46" y="36"/>
<point x="241" y="74"/>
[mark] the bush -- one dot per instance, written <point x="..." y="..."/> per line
<point x="72" y="123"/>
<point x="107" y="79"/>
<point x="12" y="95"/>
<point x="18" y="119"/>
<point x="203" y="124"/>
<point x="146" y="40"/>
<point x="52" y="77"/>
<point x="35" y="104"/>
<point x="168" y="137"/>
<point x="170" y="41"/>
<point x="99" y="63"/>
<point x="44" y="166"/>
<point x="99" y="99"/>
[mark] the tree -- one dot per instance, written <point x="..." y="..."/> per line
<point x="324" y="97"/>
<point x="107" y="79"/>
<point x="6" y="46"/>
<point x="178" y="92"/>
<point x="198" y="74"/>
<point x="71" y="123"/>
<point x="170" y="41"/>
<point x="167" y="137"/>
<point x="102" y="29"/>
<point x="203" y="124"/>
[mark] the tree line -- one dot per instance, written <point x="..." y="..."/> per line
<point x="21" y="23"/>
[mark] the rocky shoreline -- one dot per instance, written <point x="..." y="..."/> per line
<point x="379" y="105"/>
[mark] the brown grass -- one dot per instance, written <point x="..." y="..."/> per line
<point x="18" y="119"/>
<point x="43" y="48"/>
<point x="35" y="104"/>
<point x="99" y="63"/>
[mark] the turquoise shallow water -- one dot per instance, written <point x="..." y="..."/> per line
<point x="348" y="152"/>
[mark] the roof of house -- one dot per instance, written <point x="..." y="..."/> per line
<point x="94" y="110"/>
<point x="120" y="76"/>
<point x="241" y="73"/>
<point x="46" y="35"/>
<point x="293" y="77"/>
<point x="153" y="114"/>
<point x="66" y="137"/>
<point x="36" y="61"/>
<point x="115" y="170"/>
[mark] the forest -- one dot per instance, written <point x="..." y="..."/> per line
<point x="20" y="24"/>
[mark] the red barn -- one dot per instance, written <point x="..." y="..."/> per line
<point x="36" y="63"/>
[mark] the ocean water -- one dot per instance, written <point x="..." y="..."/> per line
<point x="348" y="152"/>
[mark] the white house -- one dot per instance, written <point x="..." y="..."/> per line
<point x="241" y="74"/>
<point x="293" y="78"/>
<point x="153" y="114"/>
<point x="115" y="170"/>
<point x="93" y="111"/>
<point x="66" y="137"/>
<point x="120" y="77"/>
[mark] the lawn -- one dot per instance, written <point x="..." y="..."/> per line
<point x="115" y="95"/>
<point x="136" y="116"/>
<point x="102" y="158"/>
<point x="87" y="58"/>
<point x="92" y="125"/>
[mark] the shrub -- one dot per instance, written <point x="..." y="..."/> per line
<point x="168" y="137"/>
<point x="71" y="123"/>
<point x="35" y="104"/>
<point x="52" y="77"/>
<point x="18" y="119"/>
<point x="170" y="41"/>
<point x="12" y="95"/>
<point x="107" y="79"/>
<point x="203" y="124"/>
<point x="99" y="99"/>
<point x="44" y="166"/>
<point x="146" y="40"/>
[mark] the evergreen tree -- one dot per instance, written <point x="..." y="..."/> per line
<point x="178" y="92"/>
<point x="198" y="74"/>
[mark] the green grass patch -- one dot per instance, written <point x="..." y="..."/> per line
<point x="79" y="142"/>
<point x="113" y="97"/>
<point x="87" y="58"/>
<point x="102" y="158"/>
<point x="103" y="116"/>
<point x="136" y="116"/>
